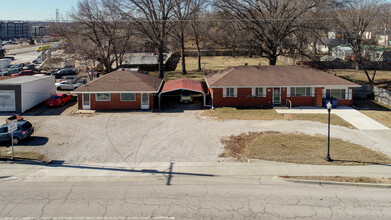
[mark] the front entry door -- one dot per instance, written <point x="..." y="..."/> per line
<point x="86" y="102"/>
<point x="145" y="101"/>
<point x="276" y="96"/>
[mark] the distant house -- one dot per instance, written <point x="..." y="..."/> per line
<point x="275" y="85"/>
<point x="325" y="45"/>
<point x="119" y="90"/>
<point x="343" y="52"/>
<point x="21" y="93"/>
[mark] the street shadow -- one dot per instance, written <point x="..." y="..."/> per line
<point x="361" y="162"/>
<point x="169" y="174"/>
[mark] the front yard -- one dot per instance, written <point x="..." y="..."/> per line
<point x="269" y="114"/>
<point x="375" y="110"/>
<point x="298" y="148"/>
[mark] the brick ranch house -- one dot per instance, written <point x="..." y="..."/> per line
<point x="119" y="90"/>
<point x="275" y="85"/>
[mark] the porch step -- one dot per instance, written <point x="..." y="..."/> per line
<point x="280" y="107"/>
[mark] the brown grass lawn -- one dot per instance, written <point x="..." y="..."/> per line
<point x="382" y="79"/>
<point x="344" y="179"/>
<point x="269" y="114"/>
<point x="211" y="64"/>
<point x="375" y="110"/>
<point x="298" y="148"/>
<point x="6" y="153"/>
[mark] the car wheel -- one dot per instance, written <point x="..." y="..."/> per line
<point x="15" y="140"/>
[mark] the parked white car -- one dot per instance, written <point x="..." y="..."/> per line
<point x="65" y="85"/>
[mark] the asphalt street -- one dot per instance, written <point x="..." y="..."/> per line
<point x="191" y="200"/>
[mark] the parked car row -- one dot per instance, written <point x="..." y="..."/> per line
<point x="70" y="82"/>
<point x="65" y="72"/>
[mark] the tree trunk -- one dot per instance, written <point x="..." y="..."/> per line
<point x="183" y="52"/>
<point x="272" y="60"/>
<point x="198" y="53"/>
<point x="161" y="64"/>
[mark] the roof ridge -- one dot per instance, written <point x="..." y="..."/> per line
<point x="223" y="74"/>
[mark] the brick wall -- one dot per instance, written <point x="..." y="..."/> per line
<point x="244" y="98"/>
<point x="115" y="103"/>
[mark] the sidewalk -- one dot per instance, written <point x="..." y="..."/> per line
<point x="354" y="117"/>
<point x="226" y="172"/>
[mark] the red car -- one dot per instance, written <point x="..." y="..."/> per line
<point x="24" y="73"/>
<point x="57" y="100"/>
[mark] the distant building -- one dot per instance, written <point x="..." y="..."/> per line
<point x="14" y="29"/>
<point x="38" y="31"/>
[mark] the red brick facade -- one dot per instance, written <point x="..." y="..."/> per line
<point x="115" y="102"/>
<point x="244" y="98"/>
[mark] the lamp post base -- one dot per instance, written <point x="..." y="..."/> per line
<point x="328" y="158"/>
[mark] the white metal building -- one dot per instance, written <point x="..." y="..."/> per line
<point x="19" y="94"/>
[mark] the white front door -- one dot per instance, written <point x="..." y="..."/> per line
<point x="277" y="96"/>
<point x="86" y="102"/>
<point x="145" y="101"/>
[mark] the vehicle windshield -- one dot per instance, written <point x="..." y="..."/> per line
<point x="27" y="125"/>
<point x="185" y="93"/>
<point x="55" y="97"/>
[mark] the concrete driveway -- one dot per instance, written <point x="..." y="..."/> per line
<point x="354" y="117"/>
<point x="136" y="137"/>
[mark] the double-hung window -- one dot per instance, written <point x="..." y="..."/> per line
<point x="336" y="93"/>
<point x="259" y="92"/>
<point x="300" y="91"/>
<point x="230" y="92"/>
<point x="128" y="97"/>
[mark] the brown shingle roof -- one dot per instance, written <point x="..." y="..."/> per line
<point x="274" y="76"/>
<point x="122" y="81"/>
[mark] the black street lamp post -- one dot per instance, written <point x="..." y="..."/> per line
<point x="328" y="158"/>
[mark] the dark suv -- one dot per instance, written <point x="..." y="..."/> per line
<point x="65" y="72"/>
<point x="25" y="130"/>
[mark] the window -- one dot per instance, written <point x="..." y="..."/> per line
<point x="102" y="97"/>
<point x="336" y="93"/>
<point x="300" y="91"/>
<point x="230" y="92"/>
<point x="128" y="97"/>
<point x="259" y="92"/>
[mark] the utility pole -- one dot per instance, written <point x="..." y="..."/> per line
<point x="57" y="15"/>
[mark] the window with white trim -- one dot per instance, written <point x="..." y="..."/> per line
<point x="300" y="91"/>
<point x="103" y="97"/>
<point x="230" y="92"/>
<point x="336" y="93"/>
<point x="259" y="92"/>
<point x="128" y="97"/>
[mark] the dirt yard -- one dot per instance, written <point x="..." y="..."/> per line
<point x="138" y="137"/>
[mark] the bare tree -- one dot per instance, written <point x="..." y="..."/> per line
<point x="96" y="32"/>
<point x="270" y="22"/>
<point x="183" y="13"/>
<point x="151" y="19"/>
<point x="355" y="19"/>
<point x="199" y="34"/>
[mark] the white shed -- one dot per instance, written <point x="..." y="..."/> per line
<point x="19" y="94"/>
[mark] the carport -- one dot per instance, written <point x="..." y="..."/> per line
<point x="182" y="84"/>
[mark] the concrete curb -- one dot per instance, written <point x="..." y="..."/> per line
<point x="318" y="182"/>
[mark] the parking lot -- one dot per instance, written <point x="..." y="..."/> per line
<point x="137" y="137"/>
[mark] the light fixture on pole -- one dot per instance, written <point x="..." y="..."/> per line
<point x="328" y="158"/>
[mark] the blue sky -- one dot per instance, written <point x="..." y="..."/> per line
<point x="41" y="10"/>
